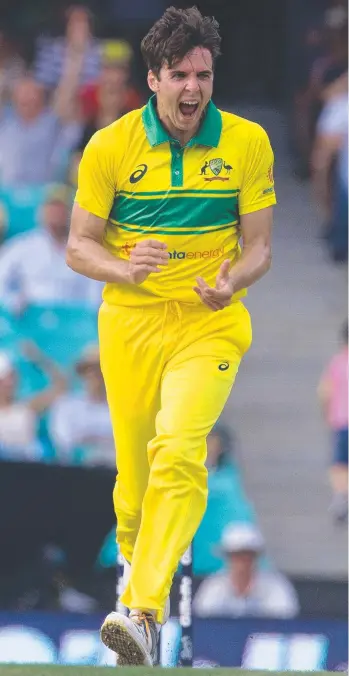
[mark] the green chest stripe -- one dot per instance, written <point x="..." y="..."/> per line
<point x="154" y="230"/>
<point x="177" y="212"/>
<point x="178" y="192"/>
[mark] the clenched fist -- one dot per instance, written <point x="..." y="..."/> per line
<point x="146" y="257"/>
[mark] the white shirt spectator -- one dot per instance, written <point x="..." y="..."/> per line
<point x="271" y="595"/>
<point x="18" y="419"/>
<point x="333" y="121"/>
<point x="245" y="590"/>
<point x="334" y="116"/>
<point x="18" y="433"/>
<point x="78" y="421"/>
<point x="33" y="271"/>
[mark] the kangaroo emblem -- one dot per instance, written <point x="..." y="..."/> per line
<point x="204" y="169"/>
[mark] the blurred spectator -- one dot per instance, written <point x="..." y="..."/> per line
<point x="32" y="265"/>
<point x="80" y="425"/>
<point x="333" y="395"/>
<point x="103" y="102"/>
<point x="330" y="166"/>
<point x="326" y="59"/>
<point x="109" y="98"/>
<point x="12" y="67"/>
<point x="19" y="418"/>
<point x="334" y="62"/>
<point x="220" y="451"/>
<point x="227" y="500"/>
<point x="131" y="21"/>
<point x="53" y="54"/>
<point x="244" y="590"/>
<point x="35" y="140"/>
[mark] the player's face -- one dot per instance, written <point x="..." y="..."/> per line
<point x="184" y="90"/>
<point x="242" y="569"/>
<point x="28" y="99"/>
<point x="111" y="95"/>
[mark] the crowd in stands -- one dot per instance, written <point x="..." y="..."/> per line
<point x="321" y="123"/>
<point x="53" y="404"/>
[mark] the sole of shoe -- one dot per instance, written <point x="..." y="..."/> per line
<point x="119" y="634"/>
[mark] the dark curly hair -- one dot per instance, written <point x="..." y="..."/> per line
<point x="175" y="34"/>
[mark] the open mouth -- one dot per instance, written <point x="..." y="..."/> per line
<point x="187" y="109"/>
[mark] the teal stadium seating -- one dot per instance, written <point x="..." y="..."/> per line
<point x="8" y="332"/>
<point x="227" y="503"/>
<point x="59" y="331"/>
<point x="21" y="207"/>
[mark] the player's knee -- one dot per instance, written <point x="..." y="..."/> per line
<point x="129" y="506"/>
<point x="176" y="458"/>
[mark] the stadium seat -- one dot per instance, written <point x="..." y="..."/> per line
<point x="108" y="554"/>
<point x="21" y="206"/>
<point x="8" y="331"/>
<point x="61" y="332"/>
<point x="29" y="379"/>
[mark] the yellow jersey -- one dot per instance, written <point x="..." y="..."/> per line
<point x="146" y="185"/>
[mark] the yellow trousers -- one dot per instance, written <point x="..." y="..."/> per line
<point x="168" y="371"/>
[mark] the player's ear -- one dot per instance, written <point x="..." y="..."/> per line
<point x="153" y="81"/>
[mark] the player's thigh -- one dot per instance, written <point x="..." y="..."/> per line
<point x="193" y="395"/>
<point x="132" y="377"/>
<point x="198" y="379"/>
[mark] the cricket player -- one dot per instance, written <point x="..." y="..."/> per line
<point x="165" y="194"/>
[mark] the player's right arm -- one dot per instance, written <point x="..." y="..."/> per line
<point x="86" y="253"/>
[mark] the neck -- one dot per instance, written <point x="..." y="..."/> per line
<point x="182" y="136"/>
<point x="242" y="586"/>
<point x="5" y="401"/>
<point x="59" y="239"/>
<point x="96" y="393"/>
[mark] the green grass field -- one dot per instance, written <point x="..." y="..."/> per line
<point x="138" y="671"/>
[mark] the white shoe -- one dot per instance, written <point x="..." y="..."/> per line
<point x="125" y="579"/>
<point x="133" y="638"/>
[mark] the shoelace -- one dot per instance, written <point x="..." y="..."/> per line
<point x="146" y="621"/>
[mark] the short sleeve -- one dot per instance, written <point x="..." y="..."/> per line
<point x="97" y="177"/>
<point x="257" y="187"/>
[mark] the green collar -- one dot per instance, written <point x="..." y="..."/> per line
<point x="209" y="133"/>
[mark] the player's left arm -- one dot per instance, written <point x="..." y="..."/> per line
<point x="255" y="261"/>
<point x="256" y="200"/>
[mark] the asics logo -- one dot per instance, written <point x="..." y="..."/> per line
<point x="140" y="171"/>
<point x="224" y="366"/>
